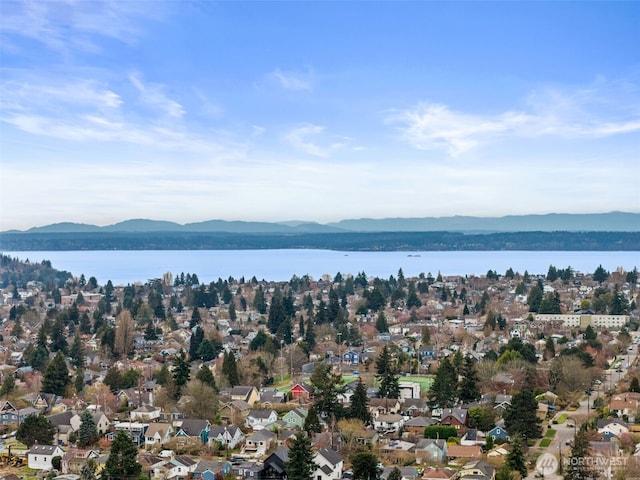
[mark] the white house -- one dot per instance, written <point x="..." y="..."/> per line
<point x="258" y="418"/>
<point x="388" y="423"/>
<point x="229" y="437"/>
<point x="329" y="463"/>
<point x="39" y="456"/>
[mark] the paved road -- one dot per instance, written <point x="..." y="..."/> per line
<point x="565" y="432"/>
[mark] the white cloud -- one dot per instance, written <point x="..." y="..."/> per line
<point x="291" y="80"/>
<point x="586" y="113"/>
<point x="311" y="139"/>
<point x="153" y="96"/>
<point x="67" y="26"/>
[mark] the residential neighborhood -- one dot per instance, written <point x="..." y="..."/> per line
<point x="433" y="377"/>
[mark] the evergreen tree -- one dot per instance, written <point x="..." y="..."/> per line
<point x="381" y="323"/>
<point x="520" y="418"/>
<point x="196" y="319"/>
<point x="56" y="376"/>
<point x="300" y="465"/>
<point x="312" y="422"/>
<point x="122" y="462"/>
<point x="516" y="459"/>
<point x="78" y="382"/>
<point x="364" y="466"/>
<point x="634" y="385"/>
<point x="326" y="388"/>
<point x="389" y="386"/>
<point x="230" y="369"/>
<point x="58" y="338"/>
<point x="197" y="336"/>
<point x="76" y="353"/>
<point x="207" y="351"/>
<point x="181" y="372"/>
<point x="468" y="390"/>
<point x="310" y="334"/>
<point x="259" y="302"/>
<point x="206" y="377"/>
<point x="36" y="429"/>
<point x="150" y="332"/>
<point x="577" y="468"/>
<point x="443" y="392"/>
<point x="360" y="404"/>
<point x="88" y="432"/>
<point x="600" y="274"/>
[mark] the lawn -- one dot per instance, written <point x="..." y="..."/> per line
<point x="545" y="442"/>
<point x="562" y="418"/>
<point x="550" y="433"/>
<point x="425" y="381"/>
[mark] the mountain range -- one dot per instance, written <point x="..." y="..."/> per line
<point x="567" y="222"/>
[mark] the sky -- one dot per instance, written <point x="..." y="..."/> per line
<point x="316" y="111"/>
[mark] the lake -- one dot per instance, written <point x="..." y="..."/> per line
<point x="129" y="266"/>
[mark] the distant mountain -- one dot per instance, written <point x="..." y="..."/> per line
<point x="554" y="222"/>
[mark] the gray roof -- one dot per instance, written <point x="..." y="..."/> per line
<point x="331" y="456"/>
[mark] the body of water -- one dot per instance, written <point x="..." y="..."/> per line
<point x="128" y="266"/>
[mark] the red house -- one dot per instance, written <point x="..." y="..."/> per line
<point x="302" y="391"/>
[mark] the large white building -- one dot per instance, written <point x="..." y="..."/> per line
<point x="584" y="319"/>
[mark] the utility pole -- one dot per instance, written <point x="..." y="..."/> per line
<point x="281" y="361"/>
<point x="340" y="352"/>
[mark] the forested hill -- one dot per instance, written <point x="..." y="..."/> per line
<point x="346" y="241"/>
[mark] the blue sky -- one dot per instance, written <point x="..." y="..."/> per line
<point x="320" y="111"/>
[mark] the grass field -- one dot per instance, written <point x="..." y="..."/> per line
<point x="550" y="433"/>
<point x="545" y="442"/>
<point x="562" y="418"/>
<point x="425" y="381"/>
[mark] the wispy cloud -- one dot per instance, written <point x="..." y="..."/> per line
<point x="583" y="113"/>
<point x="154" y="96"/>
<point x="67" y="26"/>
<point x="294" y="81"/>
<point x="83" y="110"/>
<point x="312" y="140"/>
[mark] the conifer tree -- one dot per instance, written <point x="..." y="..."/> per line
<point x="387" y="375"/>
<point x="56" y="376"/>
<point x="300" y="465"/>
<point x="88" y="432"/>
<point x="312" y="422"/>
<point x="181" y="372"/>
<point x="206" y="377"/>
<point x="577" y="468"/>
<point x="230" y="369"/>
<point x="468" y="390"/>
<point x="360" y="403"/>
<point x="516" y="459"/>
<point x="520" y="418"/>
<point x="444" y="390"/>
<point x="122" y="462"/>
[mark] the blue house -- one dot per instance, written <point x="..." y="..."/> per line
<point x="195" y="428"/>
<point x="351" y="357"/>
<point x="498" y="433"/>
<point x="207" y="469"/>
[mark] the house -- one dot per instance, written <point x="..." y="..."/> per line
<point x="611" y="428"/>
<point x="388" y="423"/>
<point x="145" y="413"/>
<point x="270" y="396"/>
<point x="439" y="474"/>
<point x="414" y="407"/>
<point x="228" y="437"/>
<point x="302" y="391"/>
<point x="454" y="417"/>
<point x="207" y="469"/>
<point x="406" y="473"/>
<point x="259" y="443"/>
<point x="409" y="390"/>
<point x="455" y="452"/>
<point x="477" y="470"/>
<point x="39" y="457"/>
<point x="158" y="434"/>
<point x="62" y="424"/>
<point x="75" y="458"/>
<point x="232" y="411"/>
<point x="245" y="393"/>
<point x="498" y="433"/>
<point x="134" y="429"/>
<point x="295" y="417"/>
<point x="383" y="406"/>
<point x="416" y="425"/>
<point x="194" y="428"/>
<point x="101" y="420"/>
<point x="180" y="467"/>
<point x="626" y="403"/>
<point x="430" y="450"/>
<point x="329" y="463"/>
<point x="398" y="446"/>
<point x="46" y="401"/>
<point x="258" y="418"/>
<point x="274" y="467"/>
<point x="351" y="357"/>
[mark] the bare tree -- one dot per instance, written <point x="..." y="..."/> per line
<point x="125" y="328"/>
